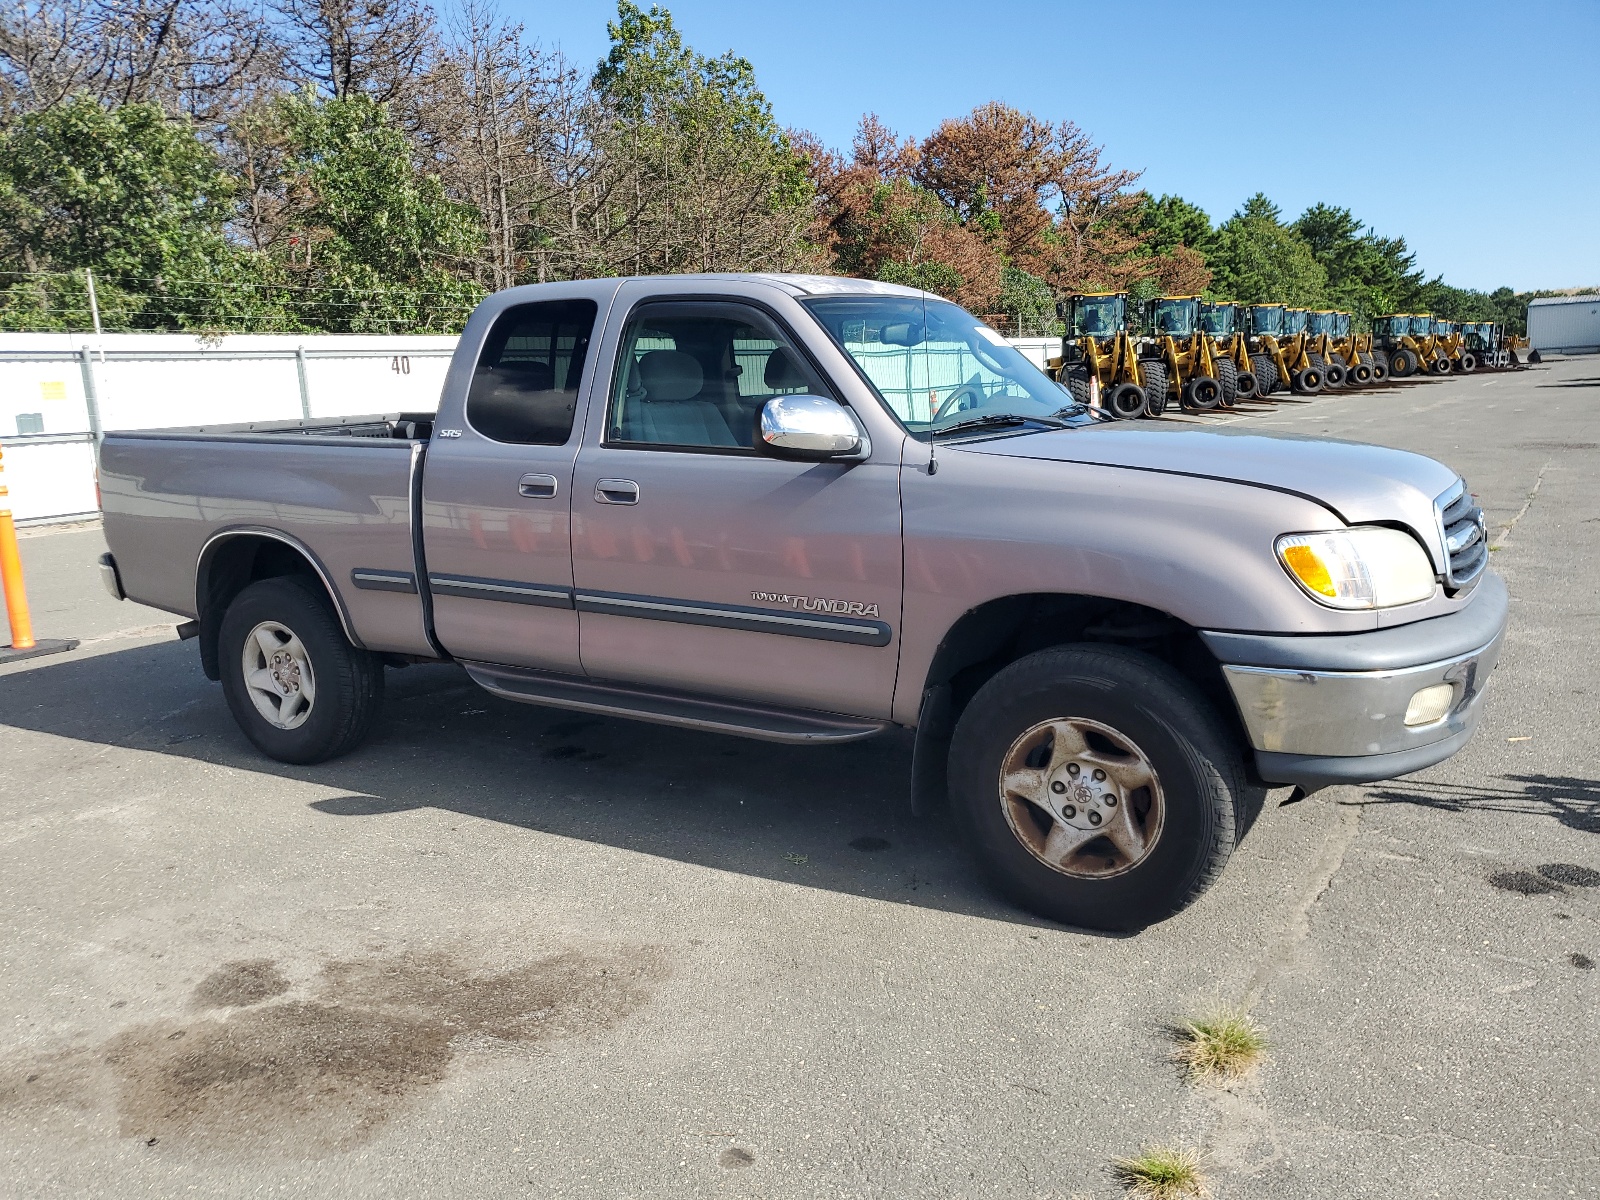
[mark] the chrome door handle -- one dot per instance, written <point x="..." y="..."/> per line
<point x="616" y="491"/>
<point x="537" y="487"/>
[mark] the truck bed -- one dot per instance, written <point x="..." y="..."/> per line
<point x="344" y="492"/>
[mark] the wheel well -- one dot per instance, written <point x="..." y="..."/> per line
<point x="233" y="564"/>
<point x="995" y="634"/>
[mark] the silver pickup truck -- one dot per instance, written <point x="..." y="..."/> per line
<point x="810" y="509"/>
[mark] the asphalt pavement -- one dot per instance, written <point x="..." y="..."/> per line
<point x="504" y="951"/>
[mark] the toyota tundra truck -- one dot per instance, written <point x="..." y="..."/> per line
<point x="810" y="509"/>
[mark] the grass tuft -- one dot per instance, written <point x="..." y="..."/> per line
<point x="1162" y="1173"/>
<point x="1225" y="1044"/>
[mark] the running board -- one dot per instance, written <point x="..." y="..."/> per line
<point x="770" y="724"/>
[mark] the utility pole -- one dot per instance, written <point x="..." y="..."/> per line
<point x="94" y="304"/>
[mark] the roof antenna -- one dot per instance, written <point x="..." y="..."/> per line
<point x="933" y="445"/>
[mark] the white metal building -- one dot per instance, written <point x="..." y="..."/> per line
<point x="1564" y="324"/>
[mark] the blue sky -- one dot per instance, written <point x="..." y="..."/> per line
<point x="1471" y="129"/>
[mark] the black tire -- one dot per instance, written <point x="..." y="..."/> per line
<point x="1266" y="374"/>
<point x="347" y="683"/>
<point x="1334" y="374"/>
<point x="1205" y="801"/>
<point x="1228" y="377"/>
<point x="1534" y="358"/>
<point x="1155" y="385"/>
<point x="1359" y="375"/>
<point x="1380" y="366"/>
<point x="1402" y="363"/>
<point x="1439" y="366"/>
<point x="1201" y="394"/>
<point x="1077" y="381"/>
<point x="1127" y="402"/>
<point x="1308" y="382"/>
<point x="1467" y="363"/>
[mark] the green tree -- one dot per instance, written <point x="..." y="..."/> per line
<point x="127" y="192"/>
<point x="1257" y="259"/>
<point x="1170" y="222"/>
<point x="1367" y="274"/>
<point x="716" y="184"/>
<point x="370" y="243"/>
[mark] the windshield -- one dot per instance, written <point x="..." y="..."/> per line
<point x="935" y="364"/>
<point x="1174" y="316"/>
<point x="1217" y="319"/>
<point x="1097" y="316"/>
<point x="1320" y="322"/>
<point x="1421" y="326"/>
<point x="1341" y="325"/>
<point x="1266" y="318"/>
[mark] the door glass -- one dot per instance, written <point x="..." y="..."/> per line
<point x="525" y="387"/>
<point x="695" y="376"/>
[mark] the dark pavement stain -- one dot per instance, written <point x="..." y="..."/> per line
<point x="563" y="752"/>
<point x="869" y="844"/>
<point x="1524" y="883"/>
<point x="238" y="984"/>
<point x="1571" y="873"/>
<point x="568" y="728"/>
<point x="1582" y="961"/>
<point x="736" y="1156"/>
<point x="306" y="1078"/>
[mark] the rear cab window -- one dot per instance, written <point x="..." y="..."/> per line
<point x="524" y="389"/>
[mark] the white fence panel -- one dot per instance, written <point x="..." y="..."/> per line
<point x="50" y="477"/>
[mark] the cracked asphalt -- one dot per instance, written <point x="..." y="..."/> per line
<point x="501" y="951"/>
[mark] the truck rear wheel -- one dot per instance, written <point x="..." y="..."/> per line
<point x="297" y="687"/>
<point x="1098" y="787"/>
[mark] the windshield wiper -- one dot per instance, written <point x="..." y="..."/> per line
<point x="998" y="421"/>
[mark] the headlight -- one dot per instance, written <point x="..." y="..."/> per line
<point x="1359" y="568"/>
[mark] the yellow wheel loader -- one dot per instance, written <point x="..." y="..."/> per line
<point x="1219" y="321"/>
<point x="1099" y="362"/>
<point x="1405" y="343"/>
<point x="1277" y="350"/>
<point x="1187" y="357"/>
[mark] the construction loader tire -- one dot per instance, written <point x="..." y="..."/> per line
<point x="1380" y="366"/>
<point x="1308" y="382"/>
<point x="1155" y="386"/>
<point x="1360" y="375"/>
<point x="1402" y="364"/>
<point x="1439" y="366"/>
<point x="1266" y="374"/>
<point x="1201" y="394"/>
<point x="1244" y="383"/>
<point x="1127" y="402"/>
<point x="1077" y="381"/>
<point x="1228" y="377"/>
<point x="1467" y="363"/>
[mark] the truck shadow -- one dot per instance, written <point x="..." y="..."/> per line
<point x="836" y="817"/>
<point x="1570" y="799"/>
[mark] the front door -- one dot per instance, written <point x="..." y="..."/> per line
<point x="702" y="565"/>
<point x="497" y="494"/>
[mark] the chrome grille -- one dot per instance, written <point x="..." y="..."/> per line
<point x="1466" y="536"/>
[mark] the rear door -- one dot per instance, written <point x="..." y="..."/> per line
<point x="702" y="565"/>
<point x="497" y="491"/>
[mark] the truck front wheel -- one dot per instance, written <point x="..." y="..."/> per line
<point x="297" y="687"/>
<point x="1098" y="787"/>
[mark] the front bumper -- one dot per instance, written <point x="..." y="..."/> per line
<point x="1324" y="710"/>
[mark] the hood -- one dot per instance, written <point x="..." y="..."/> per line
<point x="1362" y="484"/>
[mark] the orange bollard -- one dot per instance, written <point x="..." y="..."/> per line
<point x="11" y="573"/>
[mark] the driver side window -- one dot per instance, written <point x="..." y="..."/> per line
<point x="694" y="375"/>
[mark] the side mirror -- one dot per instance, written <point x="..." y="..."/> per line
<point x="810" y="428"/>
